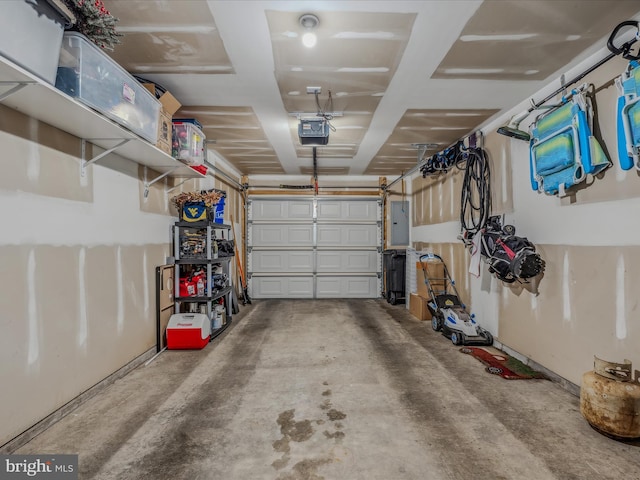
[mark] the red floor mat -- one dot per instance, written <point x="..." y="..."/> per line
<point x="499" y="363"/>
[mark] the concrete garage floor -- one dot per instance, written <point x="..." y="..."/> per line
<point x="332" y="389"/>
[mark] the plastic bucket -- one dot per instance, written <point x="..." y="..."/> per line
<point x="219" y="214"/>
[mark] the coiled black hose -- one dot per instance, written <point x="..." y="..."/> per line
<point x="475" y="208"/>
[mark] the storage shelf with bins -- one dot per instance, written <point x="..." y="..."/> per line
<point x="27" y="93"/>
<point x="203" y="237"/>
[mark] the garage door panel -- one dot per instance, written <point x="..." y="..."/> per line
<point x="300" y="210"/>
<point x="348" y="210"/>
<point x="328" y="287"/>
<point x="282" y="261"/>
<point x="356" y="235"/>
<point x="361" y="211"/>
<point x="269" y="210"/>
<point x="267" y="235"/>
<point x="281" y="210"/>
<point x="329" y="210"/>
<point x="329" y="261"/>
<point x="348" y="235"/>
<point x="282" y="287"/>
<point x="301" y="261"/>
<point x="300" y="235"/>
<point x="347" y="287"/>
<point x="302" y="247"/>
<point x="275" y="235"/>
<point x="329" y="235"/>
<point x="347" y="261"/>
<point x="269" y="261"/>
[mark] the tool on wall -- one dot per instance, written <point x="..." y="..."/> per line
<point x="475" y="196"/>
<point x="512" y="129"/>
<point x="476" y="187"/>
<point x="243" y="281"/>
<point x="442" y="162"/>
<point x="510" y="257"/>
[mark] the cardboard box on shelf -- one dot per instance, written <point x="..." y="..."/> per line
<point x="169" y="106"/>
<point x="164" y="132"/>
<point x="435" y="273"/>
<point x="418" y="307"/>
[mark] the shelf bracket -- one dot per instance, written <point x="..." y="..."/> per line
<point x="16" y="88"/>
<point x="176" y="186"/>
<point x="158" y="178"/>
<point x="85" y="163"/>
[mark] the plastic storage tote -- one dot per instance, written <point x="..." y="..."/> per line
<point x="394" y="264"/>
<point x="86" y="73"/>
<point x="188" y="143"/>
<point x="31" y="35"/>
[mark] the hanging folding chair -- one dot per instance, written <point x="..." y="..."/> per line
<point x="563" y="150"/>
<point x="629" y="116"/>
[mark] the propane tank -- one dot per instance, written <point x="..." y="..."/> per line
<point x="610" y="399"/>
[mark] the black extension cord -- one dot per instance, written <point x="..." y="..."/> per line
<point x="475" y="208"/>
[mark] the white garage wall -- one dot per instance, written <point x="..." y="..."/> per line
<point x="77" y="269"/>
<point x="585" y="304"/>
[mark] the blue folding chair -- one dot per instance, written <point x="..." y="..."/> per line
<point x="629" y="116"/>
<point x="563" y="150"/>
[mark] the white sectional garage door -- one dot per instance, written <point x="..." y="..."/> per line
<point x="314" y="248"/>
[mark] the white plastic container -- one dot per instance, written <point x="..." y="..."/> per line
<point x="188" y="143"/>
<point x="218" y="317"/>
<point x="31" y="35"/>
<point x="88" y="74"/>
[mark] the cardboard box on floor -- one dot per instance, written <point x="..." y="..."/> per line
<point x="169" y="106"/>
<point x="435" y="272"/>
<point x="418" y="307"/>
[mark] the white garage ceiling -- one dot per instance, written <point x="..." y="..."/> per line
<point x="399" y="73"/>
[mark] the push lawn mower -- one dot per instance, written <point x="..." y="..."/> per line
<point x="449" y="314"/>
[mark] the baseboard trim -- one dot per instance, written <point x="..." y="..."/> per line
<point x="29" y="434"/>
<point x="570" y="387"/>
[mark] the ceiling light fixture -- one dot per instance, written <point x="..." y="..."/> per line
<point x="309" y="21"/>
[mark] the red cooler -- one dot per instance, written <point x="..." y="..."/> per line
<point x="188" y="331"/>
